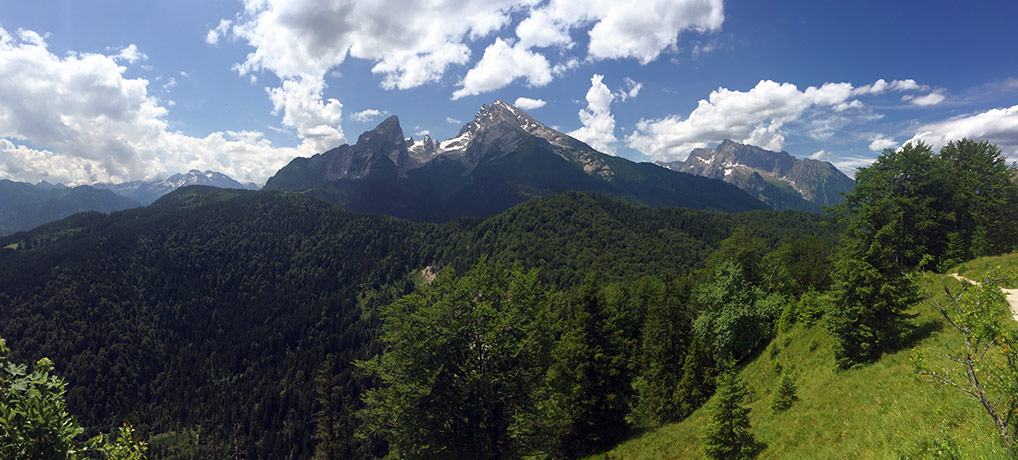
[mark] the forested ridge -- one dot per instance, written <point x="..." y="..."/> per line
<point x="228" y="324"/>
<point x="214" y="309"/>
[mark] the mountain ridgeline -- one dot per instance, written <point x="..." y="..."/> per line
<point x="776" y="178"/>
<point x="24" y="206"/>
<point x="501" y="158"/>
<point x="147" y="192"/>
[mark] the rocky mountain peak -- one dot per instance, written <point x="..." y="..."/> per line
<point x="388" y="133"/>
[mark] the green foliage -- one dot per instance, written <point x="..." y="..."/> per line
<point x="800" y="266"/>
<point x="932" y="447"/>
<point x="697" y="383"/>
<point x="665" y="335"/>
<point x="727" y="435"/>
<point x="591" y="375"/>
<point x="206" y="316"/>
<point x="34" y="422"/>
<point x="733" y="320"/>
<point x="463" y="362"/>
<point x="984" y="366"/>
<point x="870" y="314"/>
<point x="785" y="395"/>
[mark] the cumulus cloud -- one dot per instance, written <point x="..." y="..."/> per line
<point x="756" y="117"/>
<point x="598" y="128"/>
<point x="78" y="119"/>
<point x="368" y="115"/>
<point x="131" y="54"/>
<point x="882" y="143"/>
<point x="999" y="126"/>
<point x="501" y="65"/>
<point x="527" y="103"/>
<point x="302" y="40"/>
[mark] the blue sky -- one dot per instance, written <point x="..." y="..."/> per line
<point x="117" y="90"/>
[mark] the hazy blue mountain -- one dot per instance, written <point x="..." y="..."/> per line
<point x="501" y="158"/>
<point x="146" y="192"/>
<point x="24" y="206"/>
<point x="776" y="178"/>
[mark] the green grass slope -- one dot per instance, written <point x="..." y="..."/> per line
<point x="879" y="411"/>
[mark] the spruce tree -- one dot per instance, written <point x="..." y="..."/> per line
<point x="697" y="381"/>
<point x="785" y="396"/>
<point x="727" y="435"/>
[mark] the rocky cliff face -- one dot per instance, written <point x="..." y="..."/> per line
<point x="776" y="178"/>
<point x="500" y="158"/>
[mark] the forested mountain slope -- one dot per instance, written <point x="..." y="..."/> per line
<point x="215" y="308"/>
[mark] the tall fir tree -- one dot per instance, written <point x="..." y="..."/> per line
<point x="591" y="376"/>
<point x="728" y="435"/>
<point x="666" y="334"/>
<point x="698" y="378"/>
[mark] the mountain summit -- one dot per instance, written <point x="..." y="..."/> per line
<point x="500" y="158"/>
<point x="146" y="192"/>
<point x="776" y="178"/>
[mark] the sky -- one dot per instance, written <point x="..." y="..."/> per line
<point x="114" y="91"/>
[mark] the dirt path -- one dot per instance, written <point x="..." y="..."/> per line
<point x="1011" y="295"/>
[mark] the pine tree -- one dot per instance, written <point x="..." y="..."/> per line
<point x="591" y="376"/>
<point x="785" y="396"/>
<point x="697" y="382"/>
<point x="665" y="337"/>
<point x="727" y="435"/>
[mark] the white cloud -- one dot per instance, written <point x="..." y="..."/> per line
<point x="631" y="90"/>
<point x="218" y="32"/>
<point x="422" y="132"/>
<point x="170" y="83"/>
<point x="881" y="86"/>
<point x="882" y="143"/>
<point x="302" y="40"/>
<point x="77" y="119"/>
<point x="999" y="126"/>
<point x="846" y="164"/>
<point x="755" y="117"/>
<point x="368" y="115"/>
<point x="131" y="54"/>
<point x="501" y="65"/>
<point x="527" y="103"/>
<point x="316" y="120"/>
<point x="453" y="121"/>
<point x="598" y="128"/>
<point x="927" y="100"/>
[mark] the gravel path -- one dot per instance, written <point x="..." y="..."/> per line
<point x="1011" y="295"/>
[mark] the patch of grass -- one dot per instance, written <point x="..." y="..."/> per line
<point x="11" y="246"/>
<point x="978" y="268"/>
<point x="878" y="411"/>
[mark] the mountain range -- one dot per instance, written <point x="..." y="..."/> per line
<point x="501" y="158"/>
<point x="24" y="206"/>
<point x="776" y="178"/>
<point x="147" y="192"/>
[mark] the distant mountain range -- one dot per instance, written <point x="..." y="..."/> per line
<point x="501" y="158"/>
<point x="147" y="192"/>
<point x="24" y="206"/>
<point x="776" y="178"/>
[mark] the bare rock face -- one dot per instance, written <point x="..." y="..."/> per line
<point x="500" y="158"/>
<point x="770" y="176"/>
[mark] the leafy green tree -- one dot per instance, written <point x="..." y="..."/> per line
<point x="983" y="198"/>
<point x="984" y="366"/>
<point x="730" y="320"/>
<point x="591" y="375"/>
<point x="35" y="424"/>
<point x="727" y="434"/>
<point x="464" y="359"/>
<point x="800" y="265"/>
<point x="785" y="394"/>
